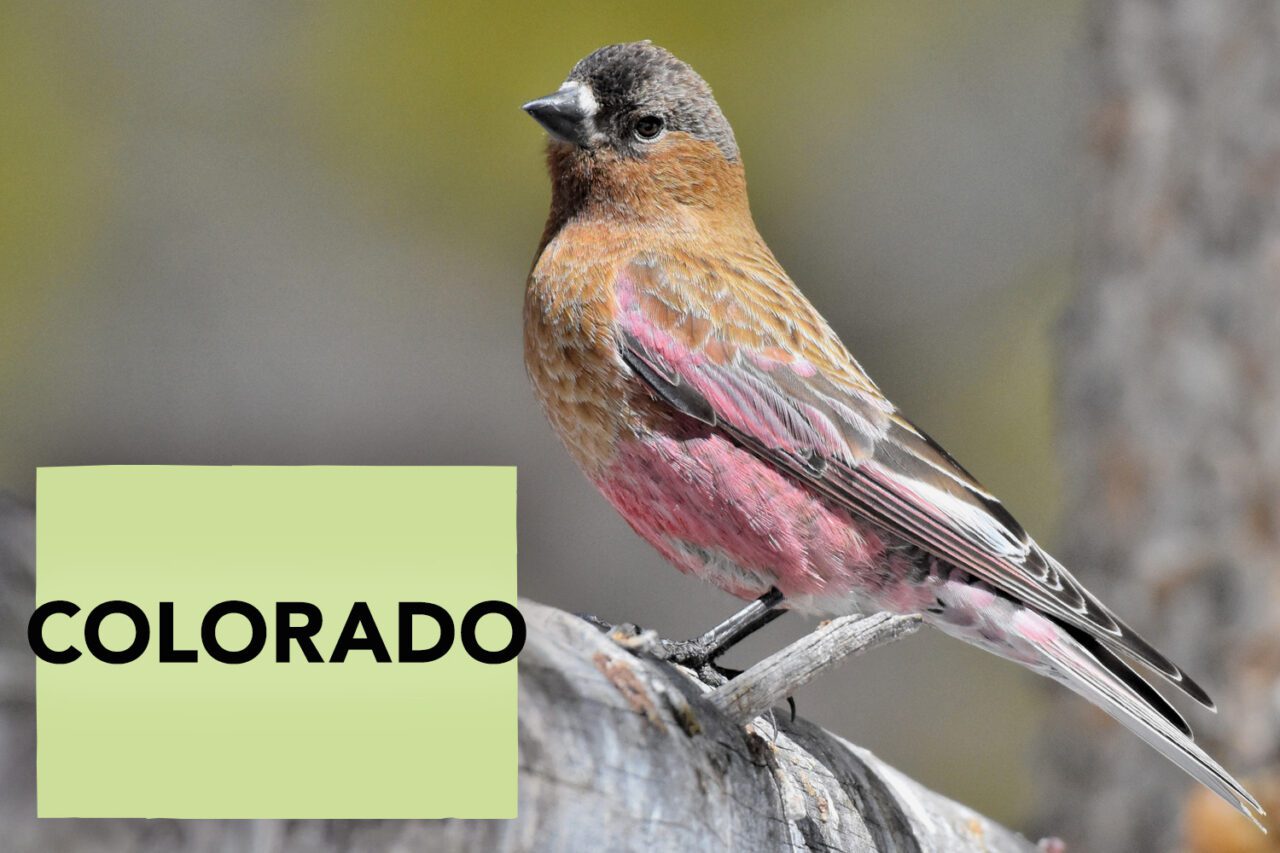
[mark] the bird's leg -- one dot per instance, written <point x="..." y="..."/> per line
<point x="699" y="652"/>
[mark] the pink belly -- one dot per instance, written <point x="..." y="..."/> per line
<point x="717" y="511"/>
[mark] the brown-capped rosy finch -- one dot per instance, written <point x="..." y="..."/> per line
<point x="724" y="419"/>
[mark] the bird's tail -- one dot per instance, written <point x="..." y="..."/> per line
<point x="1088" y="668"/>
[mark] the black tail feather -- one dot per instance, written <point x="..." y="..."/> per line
<point x="1131" y="679"/>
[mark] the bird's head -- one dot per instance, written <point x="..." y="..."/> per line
<point x="632" y="125"/>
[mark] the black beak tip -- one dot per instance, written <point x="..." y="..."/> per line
<point x="564" y="114"/>
<point x="549" y="105"/>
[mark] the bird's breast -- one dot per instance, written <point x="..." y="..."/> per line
<point x="570" y="347"/>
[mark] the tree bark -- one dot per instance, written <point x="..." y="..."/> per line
<point x="623" y="747"/>
<point x="1170" y="407"/>
<point x="618" y="751"/>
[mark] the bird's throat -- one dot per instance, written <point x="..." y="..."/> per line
<point x="682" y="177"/>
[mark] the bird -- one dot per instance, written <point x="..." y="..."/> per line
<point x="718" y="412"/>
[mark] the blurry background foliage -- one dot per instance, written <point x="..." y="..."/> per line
<point x="298" y="233"/>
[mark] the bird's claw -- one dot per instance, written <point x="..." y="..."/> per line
<point x="699" y="657"/>
<point x="696" y="655"/>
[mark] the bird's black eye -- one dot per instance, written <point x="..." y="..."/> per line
<point x="648" y="128"/>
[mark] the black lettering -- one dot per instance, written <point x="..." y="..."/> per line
<point x="168" y="654"/>
<point x="498" y="608"/>
<point x="257" y="632"/>
<point x="410" y="609"/>
<point x="35" y="631"/>
<point x="360" y="617"/>
<point x="93" y="627"/>
<point x="301" y="634"/>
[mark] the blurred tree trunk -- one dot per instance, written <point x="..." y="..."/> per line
<point x="1170" y="405"/>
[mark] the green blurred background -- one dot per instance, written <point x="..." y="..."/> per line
<point x="297" y="233"/>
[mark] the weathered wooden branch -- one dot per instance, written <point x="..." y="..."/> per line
<point x="618" y="751"/>
<point x="619" y="745"/>
<point x="778" y="676"/>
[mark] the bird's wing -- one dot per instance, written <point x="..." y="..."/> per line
<point x="752" y="357"/>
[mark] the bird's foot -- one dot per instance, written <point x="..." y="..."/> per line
<point x="693" y="656"/>
<point x="694" y="653"/>
<point x="702" y="651"/>
<point x="697" y="655"/>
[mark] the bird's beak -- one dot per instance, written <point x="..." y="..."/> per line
<point x="568" y="114"/>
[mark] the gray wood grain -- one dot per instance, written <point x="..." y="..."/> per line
<point x="665" y="769"/>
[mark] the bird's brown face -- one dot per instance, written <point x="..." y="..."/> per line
<point x="635" y="128"/>
<point x="626" y="99"/>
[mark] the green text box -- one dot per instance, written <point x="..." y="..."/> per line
<point x="358" y="739"/>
